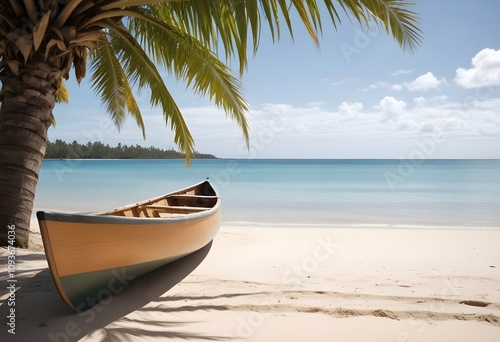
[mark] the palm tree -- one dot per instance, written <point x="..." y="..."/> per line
<point x="124" y="44"/>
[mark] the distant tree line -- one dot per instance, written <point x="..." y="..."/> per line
<point x="97" y="150"/>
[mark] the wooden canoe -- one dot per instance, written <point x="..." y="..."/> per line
<point x="93" y="256"/>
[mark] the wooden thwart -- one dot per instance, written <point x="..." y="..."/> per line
<point x="174" y="209"/>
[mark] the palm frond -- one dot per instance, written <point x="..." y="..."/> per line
<point x="194" y="63"/>
<point x="140" y="70"/>
<point x="31" y="10"/>
<point x="18" y="9"/>
<point x="393" y="15"/>
<point x="225" y="23"/>
<point x="62" y="94"/>
<point x="398" y="20"/>
<point x="108" y="81"/>
<point x="133" y="107"/>
<point x="66" y="12"/>
<point x="213" y="23"/>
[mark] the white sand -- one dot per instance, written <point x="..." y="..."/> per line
<point x="287" y="284"/>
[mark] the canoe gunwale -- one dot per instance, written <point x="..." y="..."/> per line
<point x="107" y="217"/>
<point x="110" y="219"/>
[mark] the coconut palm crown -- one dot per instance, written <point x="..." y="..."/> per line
<point x="124" y="45"/>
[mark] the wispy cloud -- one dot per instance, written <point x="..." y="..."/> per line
<point x="401" y="72"/>
<point x="339" y="82"/>
<point x="336" y="83"/>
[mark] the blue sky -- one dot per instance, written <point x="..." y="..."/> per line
<point x="358" y="96"/>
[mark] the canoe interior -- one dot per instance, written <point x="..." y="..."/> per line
<point x="198" y="198"/>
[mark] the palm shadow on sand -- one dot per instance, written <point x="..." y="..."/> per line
<point x="41" y="314"/>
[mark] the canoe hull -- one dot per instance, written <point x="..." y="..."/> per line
<point x="93" y="256"/>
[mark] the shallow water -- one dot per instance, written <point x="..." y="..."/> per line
<point x="294" y="192"/>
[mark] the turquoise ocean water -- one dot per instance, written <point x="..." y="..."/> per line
<point x="366" y="193"/>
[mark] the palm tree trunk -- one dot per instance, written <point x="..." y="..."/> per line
<point x="27" y="99"/>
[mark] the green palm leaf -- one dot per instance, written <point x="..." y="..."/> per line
<point x="224" y="23"/>
<point x="142" y="72"/>
<point x="194" y="63"/>
<point x="110" y="81"/>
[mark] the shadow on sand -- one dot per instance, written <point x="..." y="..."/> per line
<point x="41" y="314"/>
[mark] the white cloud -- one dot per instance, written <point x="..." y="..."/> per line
<point x="485" y="70"/>
<point x="401" y="72"/>
<point x="419" y="101"/>
<point x="428" y="126"/>
<point x="407" y="125"/>
<point x="391" y="108"/>
<point x="434" y="101"/>
<point x="424" y="82"/>
<point x="350" y="110"/>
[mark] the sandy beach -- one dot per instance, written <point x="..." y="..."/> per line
<point x="285" y="284"/>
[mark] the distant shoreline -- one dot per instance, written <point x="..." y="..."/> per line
<point x="62" y="159"/>
<point x="293" y="159"/>
<point x="62" y="150"/>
